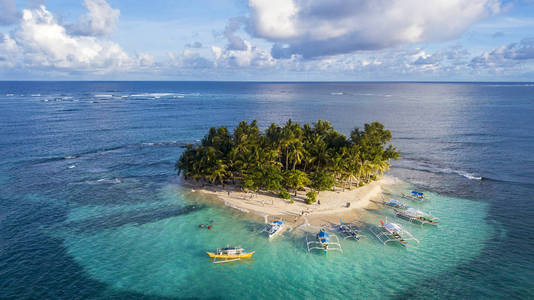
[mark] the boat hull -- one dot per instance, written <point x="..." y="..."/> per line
<point x="231" y="256"/>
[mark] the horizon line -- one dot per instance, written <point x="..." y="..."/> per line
<point x="278" y="81"/>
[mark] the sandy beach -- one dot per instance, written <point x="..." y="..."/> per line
<point x="330" y="207"/>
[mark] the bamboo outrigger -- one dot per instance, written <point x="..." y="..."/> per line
<point x="322" y="242"/>
<point x="415" y="196"/>
<point x="392" y="232"/>
<point x="416" y="216"/>
<point x="274" y="228"/>
<point x="392" y="203"/>
<point x="348" y="230"/>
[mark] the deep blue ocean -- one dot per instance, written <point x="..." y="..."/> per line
<point x="91" y="207"/>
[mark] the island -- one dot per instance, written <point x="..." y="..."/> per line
<point x="290" y="171"/>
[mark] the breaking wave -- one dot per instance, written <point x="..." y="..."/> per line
<point x="158" y="95"/>
<point x="170" y="144"/>
<point x="428" y="167"/>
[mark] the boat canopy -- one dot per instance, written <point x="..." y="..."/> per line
<point x="323" y="234"/>
<point x="393" y="227"/>
<point x="278" y="222"/>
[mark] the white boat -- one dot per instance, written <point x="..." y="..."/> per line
<point x="392" y="232"/>
<point x="392" y="203"/>
<point x="416" y="216"/>
<point x="348" y="230"/>
<point x="274" y="228"/>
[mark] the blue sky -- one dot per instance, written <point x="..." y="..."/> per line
<point x="450" y="40"/>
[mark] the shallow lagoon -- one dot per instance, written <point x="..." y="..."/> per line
<point x="167" y="258"/>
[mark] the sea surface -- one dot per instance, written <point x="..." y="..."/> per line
<point x="91" y="207"/>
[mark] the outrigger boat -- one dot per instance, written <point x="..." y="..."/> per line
<point x="415" y="196"/>
<point x="392" y="232"/>
<point x="274" y="228"/>
<point x="228" y="254"/>
<point x="392" y="203"/>
<point x="348" y="231"/>
<point x="323" y="242"/>
<point x="416" y="216"/>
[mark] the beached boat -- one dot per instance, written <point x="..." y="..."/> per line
<point x="323" y="241"/>
<point x="416" y="216"/>
<point x="348" y="231"/>
<point x="274" y="228"/>
<point x="415" y="195"/>
<point x="228" y="254"/>
<point x="392" y="203"/>
<point x="392" y="232"/>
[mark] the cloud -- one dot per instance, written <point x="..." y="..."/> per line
<point x="8" y="12"/>
<point x="505" y="56"/>
<point x="249" y="57"/>
<point x="194" y="45"/>
<point x="100" y="19"/>
<point x="188" y="59"/>
<point x="520" y="51"/>
<point x="234" y="41"/>
<point x="41" y="43"/>
<point x="8" y="51"/>
<point x="321" y="28"/>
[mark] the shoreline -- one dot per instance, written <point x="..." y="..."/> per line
<point x="332" y="207"/>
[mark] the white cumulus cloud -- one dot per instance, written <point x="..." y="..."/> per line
<point x="40" y="42"/>
<point x="100" y="19"/>
<point x="318" y="28"/>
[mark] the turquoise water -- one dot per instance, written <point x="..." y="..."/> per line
<point x="91" y="208"/>
<point x="166" y="258"/>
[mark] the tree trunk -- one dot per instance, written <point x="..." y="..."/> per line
<point x="287" y="159"/>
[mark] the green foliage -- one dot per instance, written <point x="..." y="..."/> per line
<point x="289" y="156"/>
<point x="295" y="180"/>
<point x="322" y="181"/>
<point x="311" y="197"/>
<point x="284" y="194"/>
<point x="249" y="184"/>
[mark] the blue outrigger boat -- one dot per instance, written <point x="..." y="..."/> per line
<point x="394" y="203"/>
<point x="323" y="241"/>
<point x="274" y="228"/>
<point x="415" y="195"/>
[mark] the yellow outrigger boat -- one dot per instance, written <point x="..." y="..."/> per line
<point x="229" y="254"/>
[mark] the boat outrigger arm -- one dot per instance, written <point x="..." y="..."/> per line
<point x="274" y="228"/>
<point x="415" y="195"/>
<point x="385" y="236"/>
<point x="416" y="216"/>
<point x="348" y="231"/>
<point x="328" y="242"/>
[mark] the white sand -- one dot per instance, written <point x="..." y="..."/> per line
<point x="333" y="203"/>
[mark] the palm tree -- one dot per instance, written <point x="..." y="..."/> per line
<point x="257" y="158"/>
<point x="297" y="153"/>
<point x="218" y="173"/>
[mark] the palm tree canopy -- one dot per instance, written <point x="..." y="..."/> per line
<point x="288" y="156"/>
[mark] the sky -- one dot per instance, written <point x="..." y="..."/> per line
<point x="267" y="40"/>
